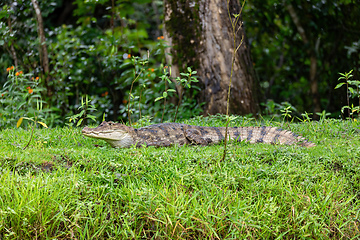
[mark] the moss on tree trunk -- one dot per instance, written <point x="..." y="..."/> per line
<point x="199" y="33"/>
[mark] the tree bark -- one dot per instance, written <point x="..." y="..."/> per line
<point x="200" y="35"/>
<point x="44" y="58"/>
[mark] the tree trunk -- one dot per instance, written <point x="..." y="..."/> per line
<point x="44" y="58"/>
<point x="313" y="59"/>
<point x="200" y="35"/>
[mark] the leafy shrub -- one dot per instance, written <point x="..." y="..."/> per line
<point x="20" y="97"/>
<point x="352" y="90"/>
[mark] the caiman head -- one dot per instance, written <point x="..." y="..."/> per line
<point x="116" y="134"/>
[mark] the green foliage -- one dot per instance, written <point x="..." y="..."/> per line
<point x="278" y="110"/>
<point x="352" y="89"/>
<point x="183" y="82"/>
<point x="94" y="58"/>
<point x="323" y="115"/>
<point x="91" y="51"/>
<point x="137" y="73"/>
<point x="305" y="117"/>
<point x="19" y="29"/>
<point x="79" y="119"/>
<point x="189" y="78"/>
<point x="165" y="78"/>
<point x="281" y="58"/>
<point x="286" y="113"/>
<point x="154" y="84"/>
<point x="35" y="121"/>
<point x="20" y="97"/>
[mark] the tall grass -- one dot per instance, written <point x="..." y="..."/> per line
<point x="65" y="186"/>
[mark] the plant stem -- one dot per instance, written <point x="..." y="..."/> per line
<point x="32" y="133"/>
<point x="347" y="95"/>
<point x="139" y="105"/>
<point x="132" y="84"/>
<point x="162" y="116"/>
<point x="177" y="108"/>
<point x="357" y="90"/>
<point x="233" y="24"/>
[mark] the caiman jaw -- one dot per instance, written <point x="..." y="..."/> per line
<point x="117" y="138"/>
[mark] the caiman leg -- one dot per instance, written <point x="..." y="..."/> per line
<point x="160" y="144"/>
<point x="194" y="136"/>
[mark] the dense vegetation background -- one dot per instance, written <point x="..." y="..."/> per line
<point x="105" y="55"/>
<point x="92" y="47"/>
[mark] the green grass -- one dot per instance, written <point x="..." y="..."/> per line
<point x="66" y="186"/>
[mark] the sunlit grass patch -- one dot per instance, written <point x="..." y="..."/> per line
<point x="65" y="186"/>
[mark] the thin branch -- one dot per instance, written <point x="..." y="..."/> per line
<point x="180" y="99"/>
<point x="242" y="39"/>
<point x="132" y="85"/>
<point x="297" y="23"/>
<point x="12" y="49"/>
<point x="231" y="73"/>
<point x="112" y="16"/>
<point x="31" y="136"/>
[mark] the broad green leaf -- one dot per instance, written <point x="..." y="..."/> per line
<point x="339" y="85"/>
<point x="113" y="50"/>
<point x="79" y="122"/>
<point x="158" y="98"/>
<point x="92" y="117"/>
<point x="354" y="82"/>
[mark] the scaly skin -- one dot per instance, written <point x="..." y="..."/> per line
<point x="168" y="134"/>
